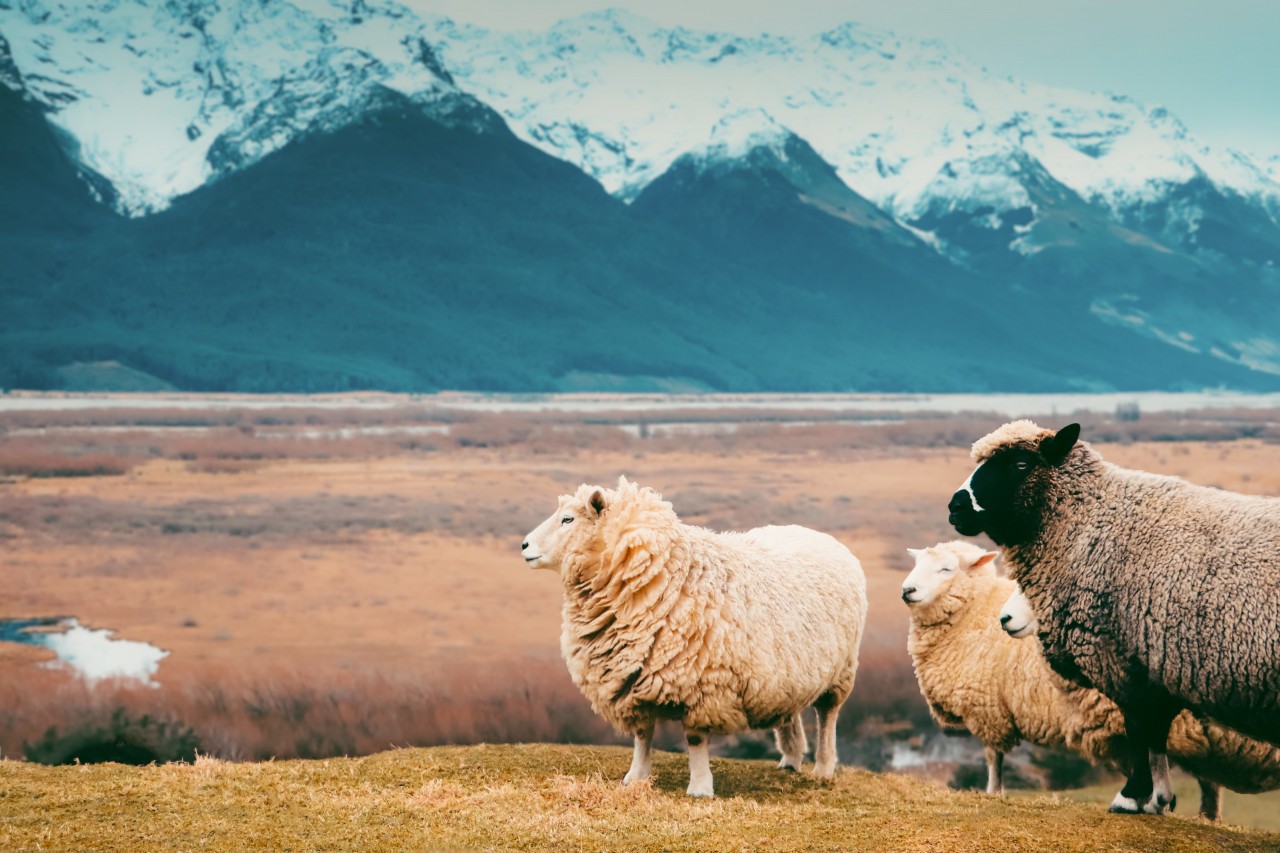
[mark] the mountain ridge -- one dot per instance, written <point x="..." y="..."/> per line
<point x="736" y="260"/>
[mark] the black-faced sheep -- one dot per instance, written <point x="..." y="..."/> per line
<point x="975" y="675"/>
<point x="1161" y="594"/>
<point x="1218" y="756"/>
<point x="720" y="631"/>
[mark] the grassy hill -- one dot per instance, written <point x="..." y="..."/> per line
<point x="547" y="798"/>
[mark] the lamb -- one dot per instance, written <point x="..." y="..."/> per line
<point x="974" y="676"/>
<point x="1160" y="594"/>
<point x="721" y="631"/>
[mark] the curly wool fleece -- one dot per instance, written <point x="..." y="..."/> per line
<point x="723" y="631"/>
<point x="1145" y="579"/>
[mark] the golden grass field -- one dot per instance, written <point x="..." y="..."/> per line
<point x="325" y="593"/>
<point x="546" y="797"/>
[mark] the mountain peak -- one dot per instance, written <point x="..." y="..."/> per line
<point x="149" y="93"/>
<point x="739" y="133"/>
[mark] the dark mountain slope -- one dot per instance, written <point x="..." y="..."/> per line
<point x="1005" y="322"/>
<point x="426" y="247"/>
<point x="406" y="251"/>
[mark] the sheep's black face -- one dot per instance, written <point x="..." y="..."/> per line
<point x="1004" y="496"/>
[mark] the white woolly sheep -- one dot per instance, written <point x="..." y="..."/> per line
<point x="1161" y="594"/>
<point x="975" y="676"/>
<point x="721" y="631"/>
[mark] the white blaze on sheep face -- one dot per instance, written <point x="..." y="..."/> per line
<point x="967" y="486"/>
<point x="1017" y="616"/>
<point x="569" y="528"/>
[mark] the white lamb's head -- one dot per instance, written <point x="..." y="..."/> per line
<point x="1017" y="617"/>
<point x="938" y="569"/>
<point x="573" y="529"/>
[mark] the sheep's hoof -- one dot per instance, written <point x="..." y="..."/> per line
<point x="824" y="772"/>
<point x="788" y="766"/>
<point x="1125" y="805"/>
<point x="632" y="778"/>
<point x="1159" y="805"/>
<point x="706" y="793"/>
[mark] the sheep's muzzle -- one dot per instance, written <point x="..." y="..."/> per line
<point x="963" y="517"/>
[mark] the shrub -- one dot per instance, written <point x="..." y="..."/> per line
<point x="123" y="740"/>
<point x="973" y="777"/>
<point x="1064" y="770"/>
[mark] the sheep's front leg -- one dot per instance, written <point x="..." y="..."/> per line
<point x="1210" y="800"/>
<point x="1148" y="788"/>
<point x="641" y="756"/>
<point x="995" y="771"/>
<point x="700" y="784"/>
<point x="1162" y="797"/>
<point x="791" y="742"/>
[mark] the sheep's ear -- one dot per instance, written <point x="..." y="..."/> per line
<point x="1056" y="447"/>
<point x="985" y="559"/>
<point x="915" y="552"/>
<point x="596" y="502"/>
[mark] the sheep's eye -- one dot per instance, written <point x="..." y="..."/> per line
<point x="1021" y="465"/>
<point x="947" y="569"/>
<point x="568" y="519"/>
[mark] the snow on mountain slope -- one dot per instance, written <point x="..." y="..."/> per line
<point x="622" y="98"/>
<point x="161" y="98"/>
<point x="147" y="89"/>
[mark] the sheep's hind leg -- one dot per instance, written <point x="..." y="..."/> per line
<point x="824" y="754"/>
<point x="641" y="756"/>
<point x="791" y="742"/>
<point x="995" y="771"/>
<point x="700" y="784"/>
<point x="1210" y="800"/>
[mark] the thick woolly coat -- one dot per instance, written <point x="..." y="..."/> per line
<point x="722" y="631"/>
<point x="974" y="675"/>
<point x="1141" y="580"/>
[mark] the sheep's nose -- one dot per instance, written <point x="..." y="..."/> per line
<point x="524" y="546"/>
<point x="960" y="500"/>
<point x="1004" y="619"/>
<point x="906" y="592"/>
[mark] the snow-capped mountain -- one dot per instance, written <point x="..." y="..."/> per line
<point x="160" y="98"/>
<point x="622" y="98"/>
<point x="868" y="174"/>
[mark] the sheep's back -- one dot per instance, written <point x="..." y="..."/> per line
<point x="1215" y="752"/>
<point x="1152" y="579"/>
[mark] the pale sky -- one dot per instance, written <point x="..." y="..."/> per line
<point x="1214" y="63"/>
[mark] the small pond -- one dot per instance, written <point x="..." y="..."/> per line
<point x="92" y="653"/>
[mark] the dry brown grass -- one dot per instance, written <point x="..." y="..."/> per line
<point x="549" y="798"/>
<point x="273" y="712"/>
